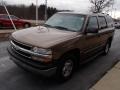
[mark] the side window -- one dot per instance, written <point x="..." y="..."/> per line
<point x="0" y="16"/>
<point x="5" y="17"/>
<point x="109" y="21"/>
<point x="102" y="22"/>
<point x="93" y="23"/>
<point x="14" y="17"/>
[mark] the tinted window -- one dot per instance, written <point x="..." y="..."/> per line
<point x="93" y="23"/>
<point x="4" y="17"/>
<point x="109" y="21"/>
<point x="0" y="16"/>
<point x="14" y="17"/>
<point x="102" y="22"/>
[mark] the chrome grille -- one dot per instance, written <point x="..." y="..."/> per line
<point x="23" y="54"/>
<point x="17" y="48"/>
<point x="25" y="46"/>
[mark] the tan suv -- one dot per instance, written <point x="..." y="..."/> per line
<point x="64" y="42"/>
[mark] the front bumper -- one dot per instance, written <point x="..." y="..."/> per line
<point x="32" y="66"/>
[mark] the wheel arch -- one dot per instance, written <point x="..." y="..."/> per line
<point x="27" y="23"/>
<point x="1" y="23"/>
<point x="75" y="52"/>
<point x="110" y="40"/>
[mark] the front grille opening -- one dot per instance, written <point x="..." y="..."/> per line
<point x="21" y="53"/>
<point x="22" y="45"/>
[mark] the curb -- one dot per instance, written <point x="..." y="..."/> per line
<point x="105" y="82"/>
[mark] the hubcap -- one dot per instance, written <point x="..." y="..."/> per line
<point x="26" y="25"/>
<point x="67" y="69"/>
<point x="107" y="48"/>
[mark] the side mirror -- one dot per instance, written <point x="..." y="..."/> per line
<point x="92" y="30"/>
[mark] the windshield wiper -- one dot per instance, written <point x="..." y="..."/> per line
<point x="59" y="27"/>
<point x="46" y="25"/>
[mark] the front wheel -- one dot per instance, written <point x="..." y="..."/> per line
<point x="107" y="48"/>
<point x="66" y="68"/>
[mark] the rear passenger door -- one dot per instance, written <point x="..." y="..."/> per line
<point x="104" y="29"/>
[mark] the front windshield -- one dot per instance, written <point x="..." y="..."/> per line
<point x="70" y="22"/>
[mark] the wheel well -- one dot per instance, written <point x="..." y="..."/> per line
<point x="110" y="40"/>
<point x="76" y="53"/>
<point x="0" y="23"/>
<point x="27" y="23"/>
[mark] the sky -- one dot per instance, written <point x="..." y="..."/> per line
<point x="76" y="5"/>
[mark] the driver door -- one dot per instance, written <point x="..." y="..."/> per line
<point x="92" y="40"/>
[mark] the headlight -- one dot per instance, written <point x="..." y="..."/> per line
<point x="46" y="55"/>
<point x="42" y="51"/>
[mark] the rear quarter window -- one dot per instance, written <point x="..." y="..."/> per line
<point x="110" y="22"/>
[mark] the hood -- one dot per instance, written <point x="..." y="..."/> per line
<point x="42" y="37"/>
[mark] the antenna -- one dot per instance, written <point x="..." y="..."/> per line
<point x="45" y="10"/>
<point x="9" y="15"/>
<point x="36" y="12"/>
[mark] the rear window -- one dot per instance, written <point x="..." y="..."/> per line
<point x="4" y="17"/>
<point x="1" y="16"/>
<point x="102" y="22"/>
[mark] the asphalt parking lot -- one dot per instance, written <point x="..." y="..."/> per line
<point x="14" y="78"/>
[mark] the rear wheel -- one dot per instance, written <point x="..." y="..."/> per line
<point x="26" y="25"/>
<point x="107" y="48"/>
<point x="65" y="68"/>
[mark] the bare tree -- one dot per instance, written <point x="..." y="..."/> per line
<point x="2" y="9"/>
<point x="99" y="5"/>
<point x="2" y="2"/>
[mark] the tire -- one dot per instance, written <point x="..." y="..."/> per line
<point x="0" y="25"/>
<point x="107" y="48"/>
<point x="26" y="25"/>
<point x="65" y="68"/>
